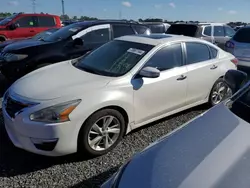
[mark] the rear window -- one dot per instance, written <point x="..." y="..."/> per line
<point x="46" y="21"/>
<point x="183" y="29"/>
<point x="157" y="28"/>
<point x="242" y="35"/>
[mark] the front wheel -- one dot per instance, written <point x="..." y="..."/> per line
<point x="219" y="92"/>
<point x="101" y="132"/>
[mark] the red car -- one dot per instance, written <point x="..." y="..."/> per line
<point x="22" y="25"/>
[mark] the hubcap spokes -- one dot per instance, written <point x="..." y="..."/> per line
<point x="220" y="92"/>
<point x="104" y="133"/>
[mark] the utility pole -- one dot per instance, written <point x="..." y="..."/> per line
<point x="120" y="14"/>
<point x="63" y="10"/>
<point x="34" y="5"/>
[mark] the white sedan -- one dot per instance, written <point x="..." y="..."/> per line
<point x="87" y="105"/>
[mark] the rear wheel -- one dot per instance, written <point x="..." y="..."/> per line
<point x="219" y="92"/>
<point x="101" y="132"/>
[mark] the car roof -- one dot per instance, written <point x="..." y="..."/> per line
<point x="97" y="22"/>
<point x="36" y="14"/>
<point x="199" y="24"/>
<point x="157" y="39"/>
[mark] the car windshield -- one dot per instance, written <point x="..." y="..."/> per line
<point x="114" y="59"/>
<point x="5" y="21"/>
<point x="242" y="35"/>
<point x="182" y="29"/>
<point x="241" y="103"/>
<point x="64" y="33"/>
<point x="44" y="34"/>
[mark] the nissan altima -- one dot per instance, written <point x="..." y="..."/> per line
<point x="88" y="104"/>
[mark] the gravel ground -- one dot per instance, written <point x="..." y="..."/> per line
<point x="19" y="168"/>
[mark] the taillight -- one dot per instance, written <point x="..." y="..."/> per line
<point x="235" y="61"/>
<point x="229" y="44"/>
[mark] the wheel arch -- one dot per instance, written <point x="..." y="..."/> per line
<point x="4" y="37"/>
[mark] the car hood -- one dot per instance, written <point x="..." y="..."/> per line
<point x="24" y="44"/>
<point x="212" y="151"/>
<point x="58" y="80"/>
<point x="5" y="43"/>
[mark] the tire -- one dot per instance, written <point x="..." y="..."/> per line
<point x="85" y="137"/>
<point x="221" y="94"/>
<point x="2" y="39"/>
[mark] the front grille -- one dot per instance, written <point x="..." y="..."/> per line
<point x="12" y="106"/>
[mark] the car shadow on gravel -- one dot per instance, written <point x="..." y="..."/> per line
<point x="96" y="181"/>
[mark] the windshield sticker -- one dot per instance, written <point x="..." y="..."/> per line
<point x="135" y="51"/>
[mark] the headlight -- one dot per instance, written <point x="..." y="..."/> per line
<point x="55" y="114"/>
<point x="15" y="57"/>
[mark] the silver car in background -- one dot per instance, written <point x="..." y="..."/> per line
<point x="239" y="46"/>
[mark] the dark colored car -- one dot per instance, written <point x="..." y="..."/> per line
<point x="38" y="36"/>
<point x="156" y="27"/>
<point x="216" y="33"/>
<point x="20" y="26"/>
<point x="210" y="151"/>
<point x="69" y="42"/>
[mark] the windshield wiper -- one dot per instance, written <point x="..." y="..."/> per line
<point x="86" y="69"/>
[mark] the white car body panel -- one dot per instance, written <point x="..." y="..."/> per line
<point x="155" y="99"/>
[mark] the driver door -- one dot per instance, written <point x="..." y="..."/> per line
<point x="154" y="97"/>
<point x="93" y="37"/>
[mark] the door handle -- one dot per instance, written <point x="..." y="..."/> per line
<point x="182" y="77"/>
<point x="213" y="67"/>
<point x="32" y="31"/>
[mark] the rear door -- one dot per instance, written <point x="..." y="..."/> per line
<point x="44" y="23"/>
<point x="26" y="29"/>
<point x="219" y="36"/>
<point x="203" y="70"/>
<point x="119" y="30"/>
<point x="207" y="33"/>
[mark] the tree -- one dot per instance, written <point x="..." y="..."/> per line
<point x="74" y="18"/>
<point x="64" y="17"/>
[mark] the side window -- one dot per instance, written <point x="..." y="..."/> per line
<point x="121" y="30"/>
<point x="140" y="29"/>
<point x="26" y="21"/>
<point x="229" y="32"/>
<point x="46" y="21"/>
<point x="96" y="36"/>
<point x="214" y="52"/>
<point x="196" y="52"/>
<point x="166" y="58"/>
<point x="219" y="31"/>
<point x="208" y="30"/>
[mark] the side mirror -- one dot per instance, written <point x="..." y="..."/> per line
<point x="78" y="42"/>
<point x="235" y="79"/>
<point x="149" y="72"/>
<point x="13" y="26"/>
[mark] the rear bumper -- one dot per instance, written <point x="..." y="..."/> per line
<point x="244" y="63"/>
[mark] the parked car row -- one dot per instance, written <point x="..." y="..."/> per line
<point x="81" y="88"/>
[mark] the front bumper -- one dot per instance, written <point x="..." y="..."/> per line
<point x="41" y="138"/>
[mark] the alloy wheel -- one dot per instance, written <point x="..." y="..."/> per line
<point x="104" y="133"/>
<point x="220" y="92"/>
